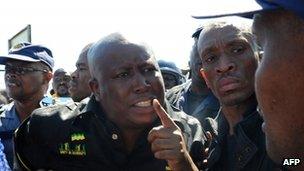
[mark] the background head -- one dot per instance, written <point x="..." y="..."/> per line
<point x="172" y="75"/>
<point x="195" y="63"/>
<point x="61" y="83"/>
<point x="79" y="84"/>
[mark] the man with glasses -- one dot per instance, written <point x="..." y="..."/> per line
<point x="28" y="70"/>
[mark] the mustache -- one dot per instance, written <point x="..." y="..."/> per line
<point x="229" y="76"/>
<point x="73" y="82"/>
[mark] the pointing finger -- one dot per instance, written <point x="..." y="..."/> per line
<point x="166" y="120"/>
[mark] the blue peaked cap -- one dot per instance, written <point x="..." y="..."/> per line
<point x="29" y="53"/>
<point x="295" y="6"/>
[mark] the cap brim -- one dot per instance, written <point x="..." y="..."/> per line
<point x="246" y="14"/>
<point x="3" y="59"/>
<point x="169" y="70"/>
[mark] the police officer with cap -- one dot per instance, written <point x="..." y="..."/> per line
<point x="28" y="70"/>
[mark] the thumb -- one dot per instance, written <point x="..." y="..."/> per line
<point x="165" y="119"/>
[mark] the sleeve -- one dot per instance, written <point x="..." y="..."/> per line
<point x="3" y="162"/>
<point x="198" y="141"/>
<point x="30" y="153"/>
<point x="194" y="135"/>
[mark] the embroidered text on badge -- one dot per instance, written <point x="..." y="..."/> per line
<point x="77" y="149"/>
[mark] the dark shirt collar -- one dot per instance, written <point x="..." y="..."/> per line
<point x="223" y="127"/>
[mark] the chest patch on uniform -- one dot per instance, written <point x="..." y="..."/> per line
<point x="76" y="147"/>
<point x="77" y="136"/>
<point x="72" y="149"/>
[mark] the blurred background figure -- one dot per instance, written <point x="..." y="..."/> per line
<point x="172" y="75"/>
<point x="79" y="84"/>
<point x="3" y="162"/>
<point x="194" y="97"/>
<point x="4" y="93"/>
<point x="61" y="83"/>
<point x="60" y="92"/>
<point x="3" y="100"/>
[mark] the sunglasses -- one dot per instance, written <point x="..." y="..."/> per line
<point x="21" y="70"/>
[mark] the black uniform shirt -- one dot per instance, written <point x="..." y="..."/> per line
<point x="63" y="138"/>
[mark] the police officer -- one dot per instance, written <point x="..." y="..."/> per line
<point x="28" y="70"/>
<point x="126" y="125"/>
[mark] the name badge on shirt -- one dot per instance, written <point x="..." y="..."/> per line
<point x="76" y="147"/>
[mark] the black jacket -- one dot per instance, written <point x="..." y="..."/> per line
<point x="247" y="150"/>
<point x="65" y="138"/>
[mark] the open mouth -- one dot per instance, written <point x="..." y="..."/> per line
<point x="146" y="103"/>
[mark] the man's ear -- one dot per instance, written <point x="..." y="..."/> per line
<point x="203" y="74"/>
<point x="47" y="77"/>
<point x="260" y="55"/>
<point x="95" y="88"/>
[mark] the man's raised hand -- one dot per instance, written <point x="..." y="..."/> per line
<point x="167" y="142"/>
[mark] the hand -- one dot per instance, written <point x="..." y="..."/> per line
<point x="167" y="142"/>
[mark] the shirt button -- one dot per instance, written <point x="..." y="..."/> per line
<point x="247" y="149"/>
<point x="114" y="136"/>
<point x="240" y="158"/>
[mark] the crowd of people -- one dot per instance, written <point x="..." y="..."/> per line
<point x="238" y="108"/>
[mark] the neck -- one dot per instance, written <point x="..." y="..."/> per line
<point x="199" y="89"/>
<point x="26" y="107"/>
<point x="234" y="114"/>
<point x="130" y="137"/>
